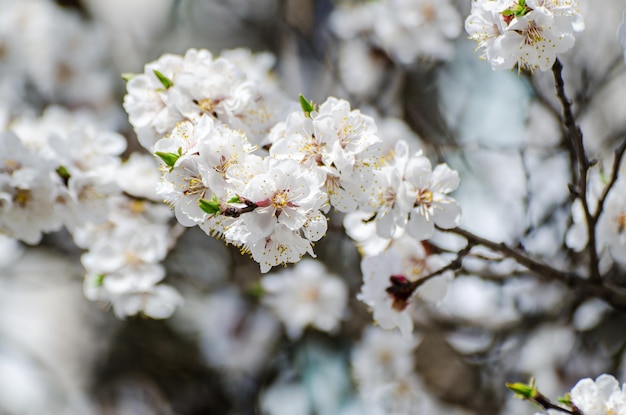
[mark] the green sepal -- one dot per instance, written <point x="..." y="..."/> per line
<point x="169" y="159"/>
<point x="165" y="81"/>
<point x="522" y="390"/>
<point x="63" y="173"/>
<point x="234" y="199"/>
<point x="566" y="400"/>
<point x="127" y="76"/>
<point x="211" y="207"/>
<point x="255" y="290"/>
<point x="307" y="106"/>
<point x="98" y="280"/>
<point x="508" y="12"/>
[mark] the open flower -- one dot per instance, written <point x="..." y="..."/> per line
<point x="528" y="33"/>
<point x="600" y="397"/>
<point x="428" y="189"/>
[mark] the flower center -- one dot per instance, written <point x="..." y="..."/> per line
<point x="194" y="186"/>
<point x="225" y="163"/>
<point x="424" y="198"/>
<point x="21" y="197"/>
<point x="207" y="105"/>
<point x="280" y="199"/>
<point x="532" y="34"/>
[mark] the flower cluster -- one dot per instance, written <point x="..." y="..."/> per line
<point x="63" y="169"/>
<point x="523" y="33"/>
<point x="266" y="185"/>
<point x="374" y="34"/>
<point x="56" y="55"/>
<point x="405" y="29"/>
<point x="231" y="168"/>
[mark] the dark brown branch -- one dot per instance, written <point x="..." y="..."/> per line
<point x="402" y="289"/>
<point x="613" y="296"/>
<point x="547" y="404"/>
<point x="576" y="137"/>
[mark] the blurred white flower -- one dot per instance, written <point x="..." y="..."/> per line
<point x="382" y="365"/>
<point x="27" y="192"/>
<point x="390" y="310"/>
<point x="306" y="295"/>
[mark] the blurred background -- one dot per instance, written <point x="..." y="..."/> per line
<point x="408" y="64"/>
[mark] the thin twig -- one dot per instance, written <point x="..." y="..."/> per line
<point x="576" y="137"/>
<point x="402" y="289"/>
<point x="547" y="404"/>
<point x="619" y="154"/>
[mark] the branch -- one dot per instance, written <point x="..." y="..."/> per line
<point x="576" y="137"/>
<point x="587" y="287"/>
<point x="547" y="404"/>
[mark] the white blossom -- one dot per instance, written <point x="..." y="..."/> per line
<point x="600" y="397"/>
<point x="389" y="310"/>
<point x="27" y="192"/>
<point x="528" y="34"/>
<point x="306" y="295"/>
<point x="429" y="190"/>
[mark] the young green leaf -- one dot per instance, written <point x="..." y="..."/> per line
<point x="211" y="207"/>
<point x="165" y="81"/>
<point x="523" y="390"/>
<point x="169" y="159"/>
<point x="307" y="106"/>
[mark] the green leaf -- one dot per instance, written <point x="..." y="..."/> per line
<point x="307" y="106"/>
<point x="211" y="207"/>
<point x="165" y="81"/>
<point x="508" y="12"/>
<point x="169" y="158"/>
<point x="234" y="199"/>
<point x="127" y="76"/>
<point x="523" y="390"/>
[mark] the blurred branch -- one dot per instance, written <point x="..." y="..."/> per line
<point x="619" y="154"/>
<point x="580" y="190"/>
